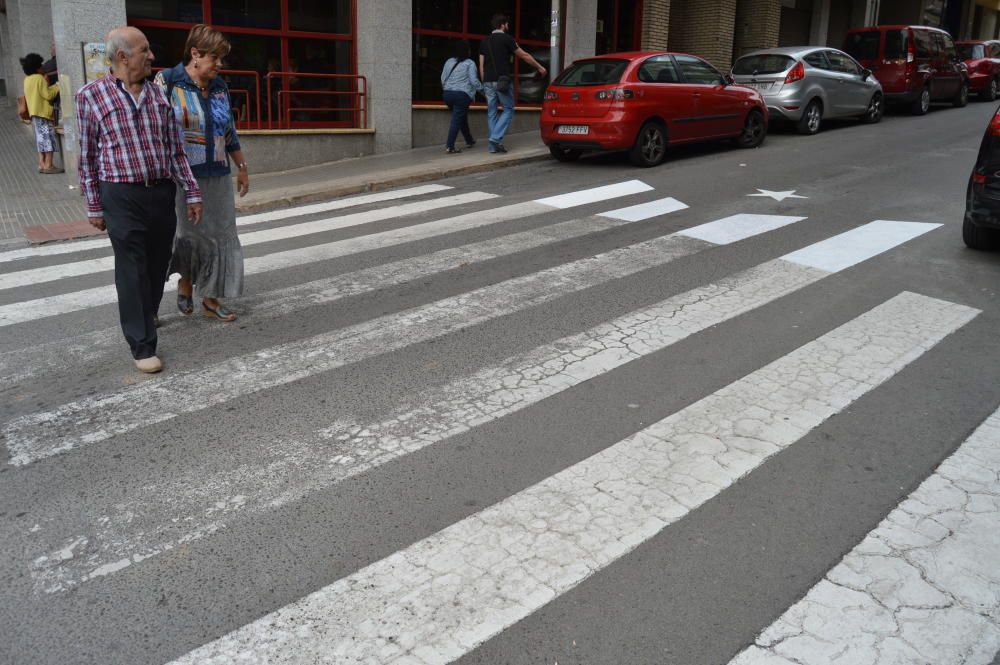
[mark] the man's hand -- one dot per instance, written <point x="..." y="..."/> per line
<point x="194" y="213"/>
<point x="542" y="72"/>
<point x="242" y="182"/>
<point x="97" y="223"/>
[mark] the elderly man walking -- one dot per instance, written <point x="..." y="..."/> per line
<point x="131" y="161"/>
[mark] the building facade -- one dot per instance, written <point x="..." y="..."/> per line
<point x="318" y="80"/>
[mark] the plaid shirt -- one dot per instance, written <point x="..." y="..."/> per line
<point x="123" y="139"/>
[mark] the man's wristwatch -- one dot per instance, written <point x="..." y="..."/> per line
<point x="242" y="166"/>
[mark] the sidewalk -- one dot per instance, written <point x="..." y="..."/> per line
<point x="43" y="208"/>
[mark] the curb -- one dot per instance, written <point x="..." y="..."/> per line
<point x="334" y="191"/>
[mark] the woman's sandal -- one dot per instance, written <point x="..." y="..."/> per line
<point x="218" y="312"/>
<point x="185" y="304"/>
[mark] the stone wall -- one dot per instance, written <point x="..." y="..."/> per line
<point x="703" y="28"/>
<point x="385" y="57"/>
<point x="758" y="23"/>
<point x="581" y="35"/>
<point x="655" y="25"/>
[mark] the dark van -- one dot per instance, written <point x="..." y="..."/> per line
<point x="916" y="65"/>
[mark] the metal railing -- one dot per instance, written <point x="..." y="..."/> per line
<point x="291" y="104"/>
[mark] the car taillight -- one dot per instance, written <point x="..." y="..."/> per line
<point x="979" y="178"/>
<point x="551" y="96"/>
<point x="797" y="74"/>
<point x="615" y="94"/>
<point x="911" y="51"/>
<point x="994" y="128"/>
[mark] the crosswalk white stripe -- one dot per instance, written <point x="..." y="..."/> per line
<point x="920" y="588"/>
<point x="855" y="246"/>
<point x="346" y="449"/>
<point x="39" y="308"/>
<point x="643" y="211"/>
<point x="33" y="276"/>
<point x="739" y="227"/>
<point x="596" y="195"/>
<point x="37" y="436"/>
<point x="285" y="213"/>
<point x="339" y="204"/>
<point x="23" y="363"/>
<point x="441" y="597"/>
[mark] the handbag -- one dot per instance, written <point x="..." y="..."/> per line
<point x="22" y="109"/>
<point x="503" y="81"/>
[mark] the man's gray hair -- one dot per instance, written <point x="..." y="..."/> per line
<point x="117" y="41"/>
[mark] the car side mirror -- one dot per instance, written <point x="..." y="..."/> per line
<point x="729" y="79"/>
<point x="866" y="74"/>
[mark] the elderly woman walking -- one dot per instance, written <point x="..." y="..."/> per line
<point x="38" y="94"/>
<point x="208" y="256"/>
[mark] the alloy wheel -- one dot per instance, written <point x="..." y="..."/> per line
<point x="815" y="117"/>
<point x="652" y="144"/>
<point x="992" y="94"/>
<point x="874" y="108"/>
<point x="753" y="130"/>
<point x="925" y="101"/>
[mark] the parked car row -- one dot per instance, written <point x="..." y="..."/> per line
<point x="644" y="102"/>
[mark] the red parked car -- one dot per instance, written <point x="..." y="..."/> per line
<point x="982" y="58"/>
<point x="644" y="102"/>
<point x="915" y="64"/>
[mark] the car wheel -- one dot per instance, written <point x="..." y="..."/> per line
<point x="875" y="109"/>
<point x="962" y="96"/>
<point x="811" y="118"/>
<point x="650" y="145"/>
<point x="990" y="94"/>
<point x="754" y="130"/>
<point x="976" y="237"/>
<point x="565" y="154"/>
<point x="922" y="104"/>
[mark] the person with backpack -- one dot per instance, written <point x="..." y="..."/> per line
<point x="460" y="83"/>
<point x="208" y="256"/>
<point x="495" y="70"/>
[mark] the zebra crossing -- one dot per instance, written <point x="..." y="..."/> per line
<point x="447" y="592"/>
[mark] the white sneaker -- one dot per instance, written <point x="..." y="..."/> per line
<point x="150" y="365"/>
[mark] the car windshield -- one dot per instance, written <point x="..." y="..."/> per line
<point x="592" y="72"/>
<point x="970" y="51"/>
<point x="765" y="63"/>
<point x="863" y="45"/>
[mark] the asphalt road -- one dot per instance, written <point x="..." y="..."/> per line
<point x="509" y="429"/>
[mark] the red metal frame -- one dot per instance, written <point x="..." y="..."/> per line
<point x="465" y="34"/>
<point x="359" y="110"/>
<point x="285" y="34"/>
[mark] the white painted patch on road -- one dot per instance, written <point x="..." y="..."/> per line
<point x="53" y="273"/>
<point x="440" y="598"/>
<point x="922" y="587"/>
<point x="638" y="213"/>
<point x="738" y="227"/>
<point x="596" y="194"/>
<point x="36" y="436"/>
<point x="857" y="245"/>
<point x="339" y="204"/>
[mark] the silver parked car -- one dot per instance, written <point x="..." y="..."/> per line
<point x="806" y="84"/>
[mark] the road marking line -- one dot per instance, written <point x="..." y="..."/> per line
<point x="286" y="213"/>
<point x="339" y="204"/>
<point x="737" y="227"/>
<point x="921" y="587"/>
<point x="855" y="246"/>
<point x="596" y="195"/>
<point x="37" y="436"/>
<point x="638" y="213"/>
<point x="441" y="597"/>
<point x="53" y="273"/>
<point x="345" y="449"/>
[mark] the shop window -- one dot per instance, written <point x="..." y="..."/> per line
<point x="447" y="15"/>
<point x="481" y="13"/>
<point x="247" y="13"/>
<point x="185" y="11"/>
<point x="314" y="16"/>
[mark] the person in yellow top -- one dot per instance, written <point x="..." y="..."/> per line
<point x="39" y="95"/>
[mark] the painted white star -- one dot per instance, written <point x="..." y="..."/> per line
<point x="778" y="196"/>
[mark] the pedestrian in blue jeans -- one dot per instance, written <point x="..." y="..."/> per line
<point x="495" y="70"/>
<point x="460" y="83"/>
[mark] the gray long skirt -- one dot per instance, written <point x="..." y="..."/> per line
<point x="210" y="253"/>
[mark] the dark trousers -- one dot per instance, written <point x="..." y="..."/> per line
<point x="141" y="222"/>
<point x="458" y="103"/>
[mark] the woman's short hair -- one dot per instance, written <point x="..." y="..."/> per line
<point x="31" y="63"/>
<point x="206" y="39"/>
<point x="462" y="51"/>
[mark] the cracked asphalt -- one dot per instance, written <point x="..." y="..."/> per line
<point x="552" y="438"/>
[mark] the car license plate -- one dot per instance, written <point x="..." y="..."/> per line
<point x="573" y="129"/>
<point x="760" y="86"/>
